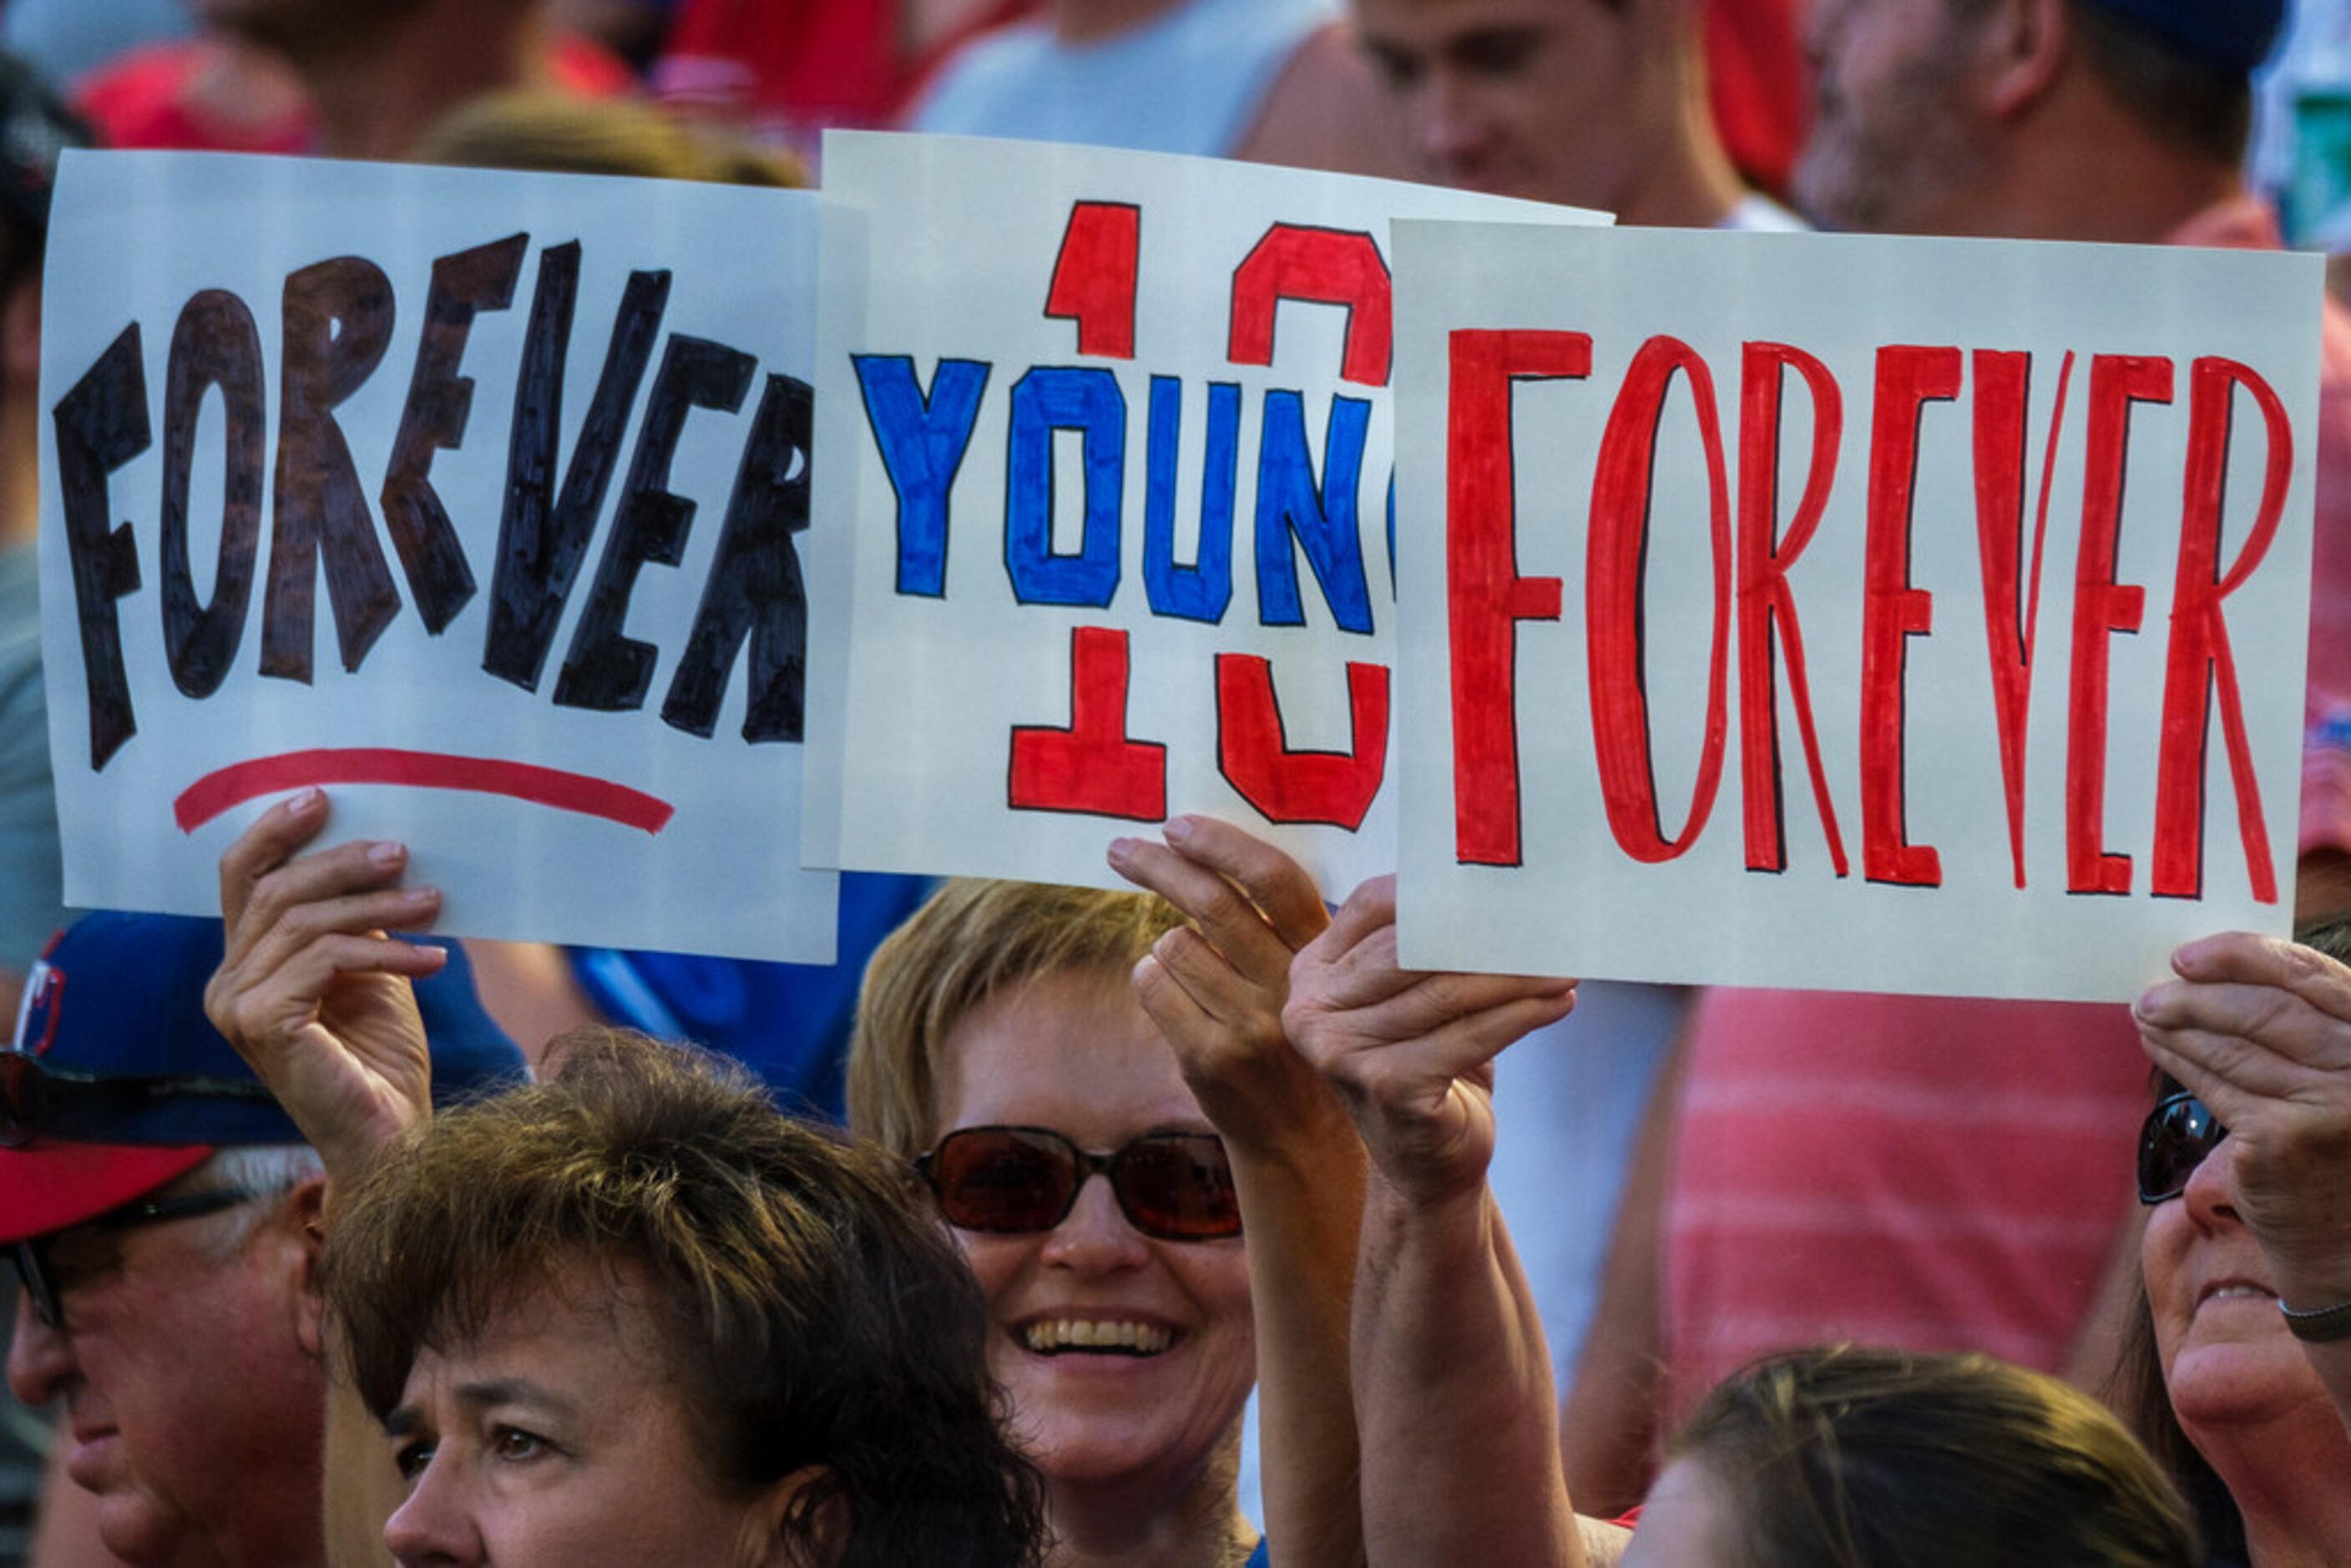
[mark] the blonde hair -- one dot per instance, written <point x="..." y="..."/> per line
<point x="557" y="133"/>
<point x="970" y="942"/>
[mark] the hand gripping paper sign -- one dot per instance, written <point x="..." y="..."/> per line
<point x="1821" y="610"/>
<point x="546" y="441"/>
<point x="1108" y="444"/>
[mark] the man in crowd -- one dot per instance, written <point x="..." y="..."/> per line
<point x="1948" y="1143"/>
<point x="161" y="1213"/>
<point x="1594" y="103"/>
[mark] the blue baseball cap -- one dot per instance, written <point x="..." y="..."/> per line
<point x="114" y="1016"/>
<point x="2230" y="35"/>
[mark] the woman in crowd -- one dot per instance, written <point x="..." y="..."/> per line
<point x="1015" y="1042"/>
<point x="631" y="1315"/>
<point x="1846" y="1458"/>
<point x="2244" y="1378"/>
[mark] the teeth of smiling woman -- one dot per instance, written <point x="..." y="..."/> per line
<point x="1091" y="1334"/>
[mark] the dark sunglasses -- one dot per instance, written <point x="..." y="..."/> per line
<point x="38" y="1101"/>
<point x="45" y="1286"/>
<point x="1008" y="1181"/>
<point x="2176" y="1135"/>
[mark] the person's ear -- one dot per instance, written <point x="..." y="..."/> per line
<point x="2025" y="43"/>
<point x="306" y="1216"/>
<point x="777" y="1533"/>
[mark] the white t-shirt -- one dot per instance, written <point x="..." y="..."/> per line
<point x="1191" y="80"/>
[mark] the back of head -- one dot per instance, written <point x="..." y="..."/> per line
<point x="2183" y="68"/>
<point x="1849" y="1458"/>
<point x="970" y="942"/>
<point x="811" y="1317"/>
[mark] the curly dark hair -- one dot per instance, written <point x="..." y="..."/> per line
<point x="813" y="1315"/>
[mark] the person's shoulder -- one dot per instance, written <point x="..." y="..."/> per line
<point x="967" y="84"/>
<point x="1323" y="110"/>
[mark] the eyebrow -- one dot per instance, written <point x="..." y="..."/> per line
<point x="491" y="1394"/>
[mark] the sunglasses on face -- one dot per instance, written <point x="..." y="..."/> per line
<point x="1012" y="1181"/>
<point x="2176" y="1135"/>
<point x="54" y="1264"/>
<point x="38" y="1101"/>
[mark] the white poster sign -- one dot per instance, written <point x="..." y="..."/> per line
<point x="1820" y="611"/>
<point x="1107" y="445"/>
<point x="474" y="498"/>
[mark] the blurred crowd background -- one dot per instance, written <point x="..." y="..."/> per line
<point x="743" y="90"/>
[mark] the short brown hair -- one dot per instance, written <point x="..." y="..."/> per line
<point x="1849" y="1458"/>
<point x="812" y="1313"/>
<point x="971" y="941"/>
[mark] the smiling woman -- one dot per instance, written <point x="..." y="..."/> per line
<point x="1003" y="1043"/>
<point x="2240" y="1379"/>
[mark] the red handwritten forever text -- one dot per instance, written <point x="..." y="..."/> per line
<point x="1755" y="614"/>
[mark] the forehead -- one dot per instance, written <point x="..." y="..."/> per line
<point x="1434" y="23"/>
<point x="1073" y="1051"/>
<point x="587" y="1333"/>
<point x="1835" y="19"/>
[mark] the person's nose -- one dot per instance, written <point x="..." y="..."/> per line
<point x="434" y="1528"/>
<point x="1095" y="1236"/>
<point x="1447" y="125"/>
<point x="41" y="1363"/>
<point x="2211" y="1190"/>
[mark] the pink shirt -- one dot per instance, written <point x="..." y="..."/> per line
<point x="1943" y="1174"/>
<point x="1931" y="1173"/>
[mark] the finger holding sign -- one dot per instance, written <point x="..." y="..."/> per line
<point x="1216" y="989"/>
<point x="313" y="992"/>
<point x="1410" y="1054"/>
<point x="2259" y="1030"/>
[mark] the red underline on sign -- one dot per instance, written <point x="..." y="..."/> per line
<point x="215" y="792"/>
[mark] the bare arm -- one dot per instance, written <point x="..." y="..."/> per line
<point x="359" y="1484"/>
<point x="1609" y="1431"/>
<point x="1453" y="1388"/>
<point x="314" y="994"/>
<point x="2259" y="1030"/>
<point x="1326" y="110"/>
<point x="1217" y="994"/>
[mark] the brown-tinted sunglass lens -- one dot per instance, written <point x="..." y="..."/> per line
<point x="1004" y="1180"/>
<point x="1178" y="1185"/>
